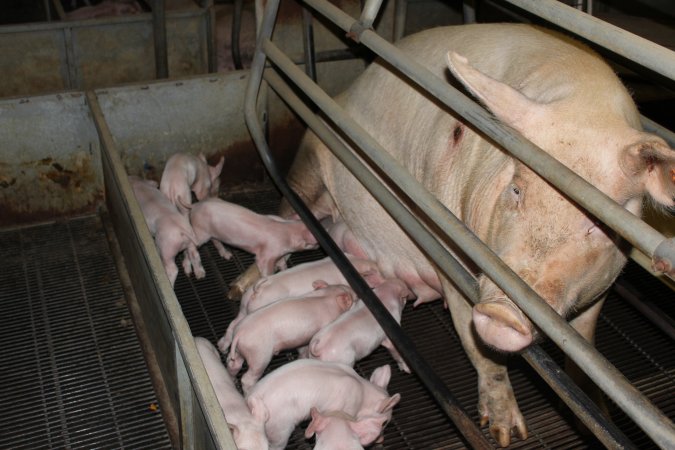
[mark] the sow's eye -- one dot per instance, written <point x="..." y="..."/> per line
<point x="515" y="193"/>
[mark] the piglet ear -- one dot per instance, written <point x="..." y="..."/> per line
<point x="258" y="409"/>
<point x="380" y="376"/>
<point x="214" y="171"/>
<point x="506" y="103"/>
<point x="202" y="157"/>
<point x="369" y="428"/>
<point x="234" y="430"/>
<point x="651" y="163"/>
<point x="344" y="301"/>
<point x="316" y="425"/>
<point x="388" y="404"/>
<point x="319" y="284"/>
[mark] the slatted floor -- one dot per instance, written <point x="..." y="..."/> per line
<point x="73" y="375"/>
<point x="645" y="355"/>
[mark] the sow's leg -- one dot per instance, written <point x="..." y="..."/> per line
<point x="304" y="177"/>
<point x="496" y="402"/>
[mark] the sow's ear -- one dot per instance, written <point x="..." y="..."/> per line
<point x="651" y="163"/>
<point x="505" y="102"/>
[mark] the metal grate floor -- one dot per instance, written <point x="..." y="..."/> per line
<point x="73" y="374"/>
<point x="644" y="354"/>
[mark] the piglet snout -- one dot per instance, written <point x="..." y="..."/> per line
<point x="502" y="326"/>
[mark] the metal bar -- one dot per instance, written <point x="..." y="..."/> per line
<point x="309" y="52"/>
<point x="187" y="412"/>
<point x="569" y="392"/>
<point x="437" y="388"/>
<point x="619" y="219"/>
<point x="210" y="28"/>
<point x="369" y="13"/>
<point x="159" y="34"/>
<point x="469" y="11"/>
<point x="72" y="81"/>
<point x="400" y="13"/>
<point x="642" y="51"/>
<point x="653" y="127"/>
<point x="636" y="405"/>
<point x="236" y="32"/>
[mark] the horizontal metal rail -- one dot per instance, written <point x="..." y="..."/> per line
<point x="594" y="364"/>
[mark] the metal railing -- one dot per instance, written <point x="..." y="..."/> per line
<point x="637" y="406"/>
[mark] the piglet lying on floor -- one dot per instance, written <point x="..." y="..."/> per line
<point x="294" y="282"/>
<point x="270" y="238"/>
<point x="185" y="173"/>
<point x="356" y="334"/>
<point x="284" y="325"/>
<point x="171" y="230"/>
<point x="286" y="396"/>
<point x="246" y="431"/>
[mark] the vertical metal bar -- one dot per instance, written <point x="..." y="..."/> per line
<point x="400" y="14"/>
<point x="72" y="81"/>
<point x="469" y="11"/>
<point x="308" y="44"/>
<point x="210" y="27"/>
<point x="159" y="34"/>
<point x="433" y="383"/>
<point x="187" y="412"/>
<point x="235" y="33"/>
<point x="369" y="13"/>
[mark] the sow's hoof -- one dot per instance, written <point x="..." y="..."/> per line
<point x="243" y="282"/>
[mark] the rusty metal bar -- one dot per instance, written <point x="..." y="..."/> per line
<point x="159" y="34"/>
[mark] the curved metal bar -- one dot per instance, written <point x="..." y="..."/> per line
<point x="236" y="32"/>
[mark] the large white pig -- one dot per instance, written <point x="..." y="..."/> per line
<point x="171" y="230"/>
<point x="286" y="396"/>
<point x="185" y="173"/>
<point x="247" y="432"/>
<point x="560" y="95"/>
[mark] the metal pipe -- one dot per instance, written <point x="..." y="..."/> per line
<point x="642" y="51"/>
<point x="469" y="11"/>
<point x="653" y="127"/>
<point x="369" y="13"/>
<point x="636" y="405"/>
<point x="159" y="34"/>
<point x="309" y="54"/>
<point x="582" y="192"/>
<point x="400" y="13"/>
<point x="236" y="32"/>
<point x="560" y="382"/>
<point x="436" y="386"/>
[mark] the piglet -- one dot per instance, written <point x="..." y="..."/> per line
<point x="294" y="282"/>
<point x="270" y="238"/>
<point x="184" y="173"/>
<point x="171" y="230"/>
<point x="286" y="396"/>
<point x="284" y="325"/>
<point x="248" y="433"/>
<point x="336" y="430"/>
<point x="356" y="334"/>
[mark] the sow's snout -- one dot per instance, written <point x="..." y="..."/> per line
<point x="502" y="325"/>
